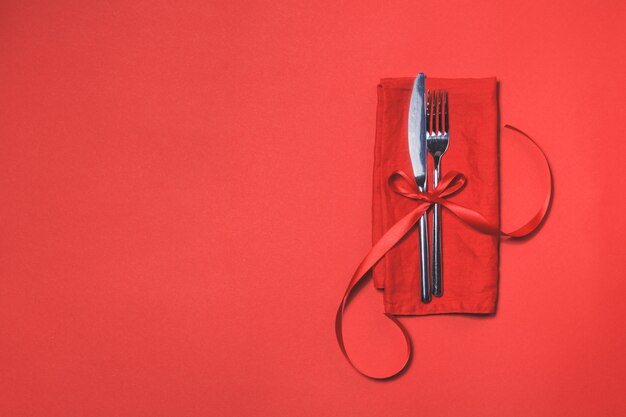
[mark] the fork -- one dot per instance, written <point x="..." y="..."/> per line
<point x="437" y="139"/>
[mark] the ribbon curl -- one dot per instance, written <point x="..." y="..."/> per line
<point x="404" y="185"/>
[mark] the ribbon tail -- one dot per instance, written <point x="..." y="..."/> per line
<point x="537" y="219"/>
<point x="386" y="242"/>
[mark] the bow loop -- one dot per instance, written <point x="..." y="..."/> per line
<point x="401" y="183"/>
<point x="450" y="184"/>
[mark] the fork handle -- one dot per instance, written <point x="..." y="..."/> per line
<point x="437" y="281"/>
<point x="436" y="264"/>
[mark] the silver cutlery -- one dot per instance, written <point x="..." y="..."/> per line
<point x="437" y="140"/>
<point x="417" y="152"/>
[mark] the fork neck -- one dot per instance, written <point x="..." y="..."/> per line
<point x="437" y="162"/>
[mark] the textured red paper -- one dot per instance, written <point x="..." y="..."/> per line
<point x="186" y="188"/>
<point x="470" y="259"/>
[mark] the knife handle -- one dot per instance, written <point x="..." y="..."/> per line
<point x="424" y="258"/>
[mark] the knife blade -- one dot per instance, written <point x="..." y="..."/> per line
<point x="417" y="152"/>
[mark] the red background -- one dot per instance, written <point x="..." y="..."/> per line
<point x="186" y="189"/>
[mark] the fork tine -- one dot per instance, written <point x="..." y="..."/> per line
<point x="446" y="127"/>
<point x="428" y="112"/>
<point x="434" y="112"/>
<point x="439" y="124"/>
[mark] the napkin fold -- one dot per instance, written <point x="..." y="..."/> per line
<point x="470" y="258"/>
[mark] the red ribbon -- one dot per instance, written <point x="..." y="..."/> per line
<point x="404" y="185"/>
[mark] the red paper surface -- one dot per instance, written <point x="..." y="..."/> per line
<point x="470" y="258"/>
<point x="186" y="189"/>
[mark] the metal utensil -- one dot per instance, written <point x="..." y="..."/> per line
<point x="437" y="139"/>
<point x="417" y="151"/>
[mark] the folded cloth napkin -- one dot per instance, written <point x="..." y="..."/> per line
<point x="470" y="258"/>
<point x="470" y="219"/>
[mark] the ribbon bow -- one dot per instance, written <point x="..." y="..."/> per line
<point x="405" y="186"/>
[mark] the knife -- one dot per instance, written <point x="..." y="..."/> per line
<point x="417" y="151"/>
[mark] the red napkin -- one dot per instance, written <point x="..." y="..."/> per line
<point x="470" y="258"/>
